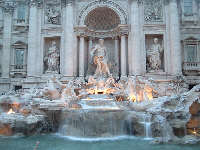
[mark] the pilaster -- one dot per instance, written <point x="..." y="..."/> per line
<point x="175" y="43"/>
<point x="8" y="8"/>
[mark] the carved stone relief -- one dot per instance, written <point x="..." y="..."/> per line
<point x="52" y="12"/>
<point x="155" y="52"/>
<point x="8" y="6"/>
<point x="153" y="11"/>
<point x="52" y="55"/>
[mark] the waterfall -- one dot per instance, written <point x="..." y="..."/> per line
<point x="95" y="124"/>
<point x="147" y="126"/>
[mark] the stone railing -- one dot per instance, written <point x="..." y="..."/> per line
<point x="18" y="70"/>
<point x="191" y="66"/>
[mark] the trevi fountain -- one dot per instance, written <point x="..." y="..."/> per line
<point x="99" y="74"/>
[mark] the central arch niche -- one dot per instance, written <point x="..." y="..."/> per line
<point x="102" y="19"/>
<point x="107" y="20"/>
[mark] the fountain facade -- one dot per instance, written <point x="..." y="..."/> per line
<point x="107" y="73"/>
<point x="139" y="41"/>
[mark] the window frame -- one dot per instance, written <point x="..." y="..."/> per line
<point x="191" y="42"/>
<point x="19" y="66"/>
<point x="189" y="7"/>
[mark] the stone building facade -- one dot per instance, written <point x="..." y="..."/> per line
<point x="154" y="38"/>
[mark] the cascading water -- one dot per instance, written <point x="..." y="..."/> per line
<point x="147" y="126"/>
<point x="95" y="123"/>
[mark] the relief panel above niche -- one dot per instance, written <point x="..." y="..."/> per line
<point x="52" y="12"/>
<point x="153" y="11"/>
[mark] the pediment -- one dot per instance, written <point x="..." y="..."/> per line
<point x="191" y="39"/>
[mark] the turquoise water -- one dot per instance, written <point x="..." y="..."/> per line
<point x="54" y="142"/>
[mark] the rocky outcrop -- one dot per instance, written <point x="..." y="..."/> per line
<point x="17" y="123"/>
<point x="172" y="119"/>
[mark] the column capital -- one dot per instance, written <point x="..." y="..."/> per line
<point x="8" y="6"/>
<point x="66" y="3"/>
<point x="69" y="2"/>
<point x="116" y="38"/>
<point x="174" y="1"/>
<point x="35" y="3"/>
<point x="81" y="31"/>
<point x="139" y="2"/>
<point x="123" y="29"/>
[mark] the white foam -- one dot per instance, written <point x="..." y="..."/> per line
<point x="114" y="138"/>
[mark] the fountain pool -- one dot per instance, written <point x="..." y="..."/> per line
<point x="56" y="142"/>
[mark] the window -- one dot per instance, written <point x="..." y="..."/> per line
<point x="18" y="87"/>
<point x="19" y="58"/>
<point x="188" y="7"/>
<point x="21" y="13"/>
<point x="191" y="51"/>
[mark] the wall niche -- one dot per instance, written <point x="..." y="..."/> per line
<point x="154" y="46"/>
<point x="52" y="55"/>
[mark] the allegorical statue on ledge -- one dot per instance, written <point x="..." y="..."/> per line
<point x="99" y="55"/>
<point x="52" y="59"/>
<point x="154" y="56"/>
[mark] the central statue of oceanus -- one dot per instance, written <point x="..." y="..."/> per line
<point x="99" y="55"/>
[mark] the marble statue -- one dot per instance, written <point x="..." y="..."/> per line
<point x="154" y="56"/>
<point x="100" y="59"/>
<point x="52" y="58"/>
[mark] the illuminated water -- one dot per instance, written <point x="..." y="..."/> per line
<point x="54" y="142"/>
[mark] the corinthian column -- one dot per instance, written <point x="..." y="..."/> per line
<point x="135" y="50"/>
<point x="32" y="41"/>
<point x="7" y="31"/>
<point x="117" y="53"/>
<point x="175" y="45"/>
<point x="82" y="57"/>
<point x="123" y="56"/>
<point x="69" y="58"/>
<point x="123" y="59"/>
